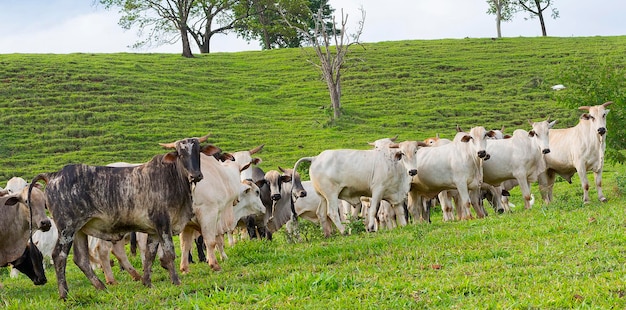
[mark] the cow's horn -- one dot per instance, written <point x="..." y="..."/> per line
<point x="606" y="104"/>
<point x="256" y="149"/>
<point x="394" y="138"/>
<point x="203" y="139"/>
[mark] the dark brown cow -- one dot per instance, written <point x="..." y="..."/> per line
<point x="108" y="202"/>
<point x="15" y="231"/>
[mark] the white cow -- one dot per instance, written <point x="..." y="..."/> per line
<point x="520" y="157"/>
<point x="577" y="149"/>
<point x="455" y="165"/>
<point x="211" y="199"/>
<point x="349" y="174"/>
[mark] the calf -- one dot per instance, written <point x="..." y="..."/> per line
<point x="108" y="202"/>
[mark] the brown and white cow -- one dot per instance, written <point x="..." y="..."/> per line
<point x="108" y="202"/>
<point x="577" y="149"/>
<point x="346" y="174"/>
<point x="520" y="157"/>
<point x="16" y="230"/>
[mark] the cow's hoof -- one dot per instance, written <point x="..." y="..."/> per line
<point x="603" y="199"/>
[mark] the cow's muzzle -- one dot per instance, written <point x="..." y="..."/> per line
<point x="413" y="172"/>
<point x="482" y="154"/>
<point x="545" y="151"/>
<point x="40" y="280"/>
<point x="195" y="178"/>
<point x="45" y="225"/>
<point x="601" y="130"/>
<point x="276" y="197"/>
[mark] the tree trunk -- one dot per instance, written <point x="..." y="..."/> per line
<point x="335" y="97"/>
<point x="186" y="45"/>
<point x="499" y="18"/>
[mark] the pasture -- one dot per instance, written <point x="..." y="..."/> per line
<point x="103" y="108"/>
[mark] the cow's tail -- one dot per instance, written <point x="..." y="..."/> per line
<point x="41" y="177"/>
<point x="295" y="169"/>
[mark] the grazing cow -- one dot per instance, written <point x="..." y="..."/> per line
<point x="577" y="149"/>
<point x="520" y="157"/>
<point x="108" y="202"/>
<point x="211" y="198"/>
<point x="249" y="205"/>
<point x="383" y="173"/>
<point x="15" y="221"/>
<point x="452" y="166"/>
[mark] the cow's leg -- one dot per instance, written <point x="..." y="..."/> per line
<point x="477" y="202"/>
<point x="120" y="253"/>
<point x="546" y="183"/>
<point x="524" y="186"/>
<point x="186" y="242"/>
<point x="59" y="256"/>
<point x="584" y="181"/>
<point x="400" y="215"/>
<point x="220" y="246"/>
<point x="333" y="213"/>
<point x="446" y="205"/>
<point x="464" y="202"/>
<point x="322" y="216"/>
<point x="597" y="175"/>
<point x="152" y="244"/>
<point x="81" y="259"/>
<point x="372" y="212"/>
<point x="103" y="253"/>
<point x="211" y="243"/>
<point x="169" y="253"/>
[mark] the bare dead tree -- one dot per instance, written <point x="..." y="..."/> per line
<point x="331" y="47"/>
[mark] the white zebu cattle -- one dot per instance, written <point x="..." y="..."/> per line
<point x="520" y="157"/>
<point x="212" y="198"/>
<point x="455" y="165"/>
<point x="246" y="157"/>
<point x="15" y="185"/>
<point x="577" y="149"/>
<point x="349" y="174"/>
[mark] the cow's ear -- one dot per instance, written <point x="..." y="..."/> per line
<point x="532" y="133"/>
<point x="490" y="134"/>
<point x="398" y="155"/>
<point x="256" y="160"/>
<point x="585" y="116"/>
<point x="466" y="138"/>
<point x="226" y="156"/>
<point x="246" y="166"/>
<point x="422" y="144"/>
<point x="507" y="137"/>
<point x="170" y="157"/>
<point x="260" y="183"/>
<point x="11" y="201"/>
<point x="285" y="178"/>
<point x="210" y="150"/>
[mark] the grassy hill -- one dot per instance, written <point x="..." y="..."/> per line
<point x="103" y="108"/>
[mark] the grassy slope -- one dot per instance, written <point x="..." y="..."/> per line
<point x="96" y="109"/>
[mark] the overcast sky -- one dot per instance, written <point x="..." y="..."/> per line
<point x="68" y="26"/>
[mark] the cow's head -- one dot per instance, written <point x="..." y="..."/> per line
<point x="275" y="182"/>
<point x="297" y="190"/>
<point x="597" y="116"/>
<point x="187" y="152"/>
<point x="540" y="133"/>
<point x="31" y="264"/>
<point x="37" y="207"/>
<point x="382" y="143"/>
<point x="477" y="137"/>
<point x="407" y="153"/>
<point x="250" y="198"/>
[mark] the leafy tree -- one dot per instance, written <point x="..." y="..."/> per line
<point x="265" y="20"/>
<point x="595" y="82"/>
<point x="209" y="13"/>
<point x="164" y="20"/>
<point x="503" y="10"/>
<point x="535" y="8"/>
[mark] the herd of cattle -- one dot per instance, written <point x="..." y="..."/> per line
<point x="198" y="190"/>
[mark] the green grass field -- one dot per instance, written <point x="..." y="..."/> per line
<point x="103" y="108"/>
